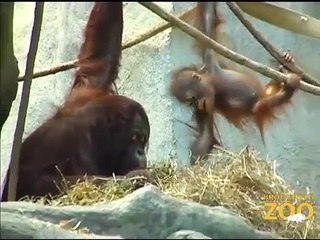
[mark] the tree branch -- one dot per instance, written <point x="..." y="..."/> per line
<point x="141" y="38"/>
<point x="17" y="141"/>
<point x="222" y="50"/>
<point x="52" y="70"/>
<point x="268" y="46"/>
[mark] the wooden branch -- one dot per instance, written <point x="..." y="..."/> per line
<point x="268" y="46"/>
<point x="148" y="34"/>
<point x="222" y="50"/>
<point x="52" y="70"/>
<point x="17" y="141"/>
<point x="141" y="38"/>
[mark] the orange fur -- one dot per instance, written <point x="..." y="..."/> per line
<point x="237" y="97"/>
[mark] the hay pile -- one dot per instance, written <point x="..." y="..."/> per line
<point x="239" y="182"/>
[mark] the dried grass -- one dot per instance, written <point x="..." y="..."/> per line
<point x="239" y="182"/>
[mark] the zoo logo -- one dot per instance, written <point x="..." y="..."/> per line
<point x="272" y="207"/>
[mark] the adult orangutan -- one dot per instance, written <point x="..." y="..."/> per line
<point x="95" y="132"/>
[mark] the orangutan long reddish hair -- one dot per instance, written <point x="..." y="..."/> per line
<point x="95" y="131"/>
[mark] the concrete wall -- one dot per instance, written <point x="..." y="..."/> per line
<point x="293" y="141"/>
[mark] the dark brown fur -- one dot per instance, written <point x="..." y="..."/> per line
<point x="205" y="137"/>
<point x="94" y="132"/>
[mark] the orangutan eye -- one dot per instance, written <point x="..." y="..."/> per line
<point x="134" y="137"/>
<point x="193" y="101"/>
<point x="196" y="76"/>
<point x="140" y="138"/>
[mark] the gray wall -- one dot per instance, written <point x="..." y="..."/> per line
<point x="292" y="141"/>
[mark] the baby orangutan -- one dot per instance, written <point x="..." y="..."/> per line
<point x="236" y="96"/>
<point x="216" y="88"/>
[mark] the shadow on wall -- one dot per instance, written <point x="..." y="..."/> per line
<point x="293" y="140"/>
